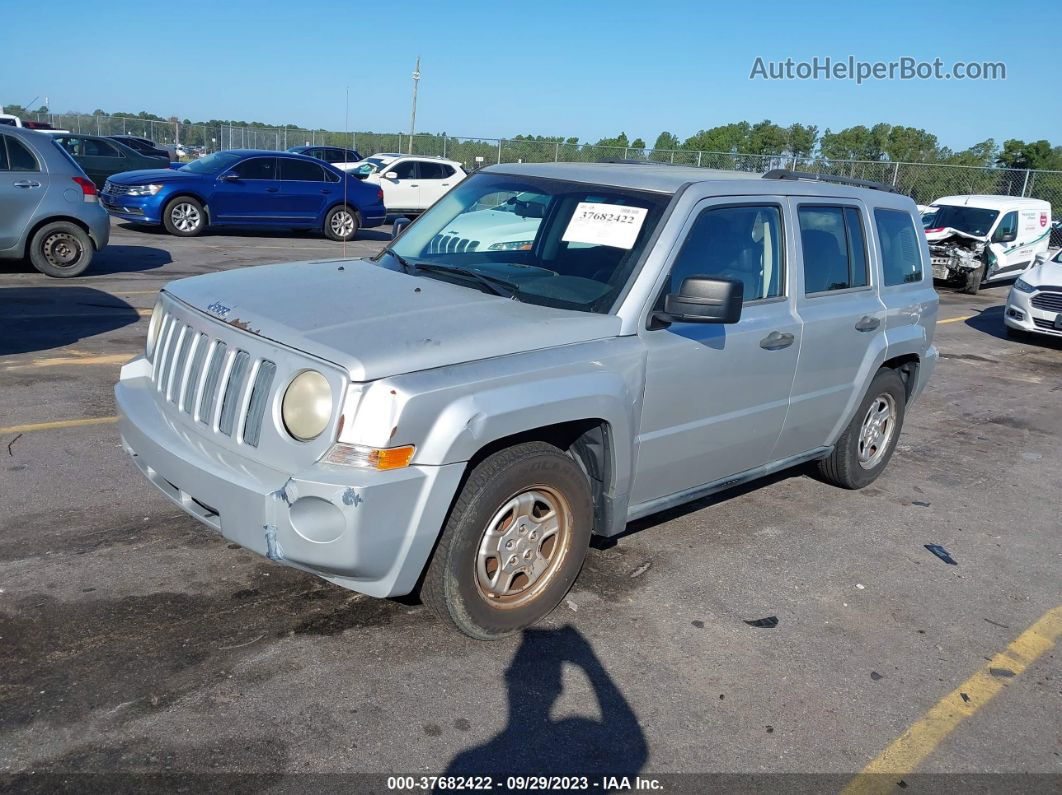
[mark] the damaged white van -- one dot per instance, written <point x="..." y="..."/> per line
<point x="977" y="239"/>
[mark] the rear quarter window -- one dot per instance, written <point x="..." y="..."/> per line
<point x="901" y="256"/>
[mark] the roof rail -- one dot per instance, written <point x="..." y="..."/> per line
<point x="633" y="161"/>
<point x="785" y="173"/>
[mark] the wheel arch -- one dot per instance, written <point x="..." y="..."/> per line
<point x="51" y="220"/>
<point x="183" y="193"/>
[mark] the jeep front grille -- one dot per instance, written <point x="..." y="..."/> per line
<point x="451" y="244"/>
<point x="221" y="386"/>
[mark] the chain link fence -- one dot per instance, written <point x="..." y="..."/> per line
<point x="923" y="182"/>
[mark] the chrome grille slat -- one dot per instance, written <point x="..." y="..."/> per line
<point x="210" y="385"/>
<point x="180" y="359"/>
<point x="1048" y="301"/>
<point x="233" y="390"/>
<point x="164" y="355"/>
<point x="195" y="372"/>
<point x="258" y="401"/>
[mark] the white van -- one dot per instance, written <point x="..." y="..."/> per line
<point x="977" y="239"/>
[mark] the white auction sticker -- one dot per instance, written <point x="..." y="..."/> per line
<point x="605" y="224"/>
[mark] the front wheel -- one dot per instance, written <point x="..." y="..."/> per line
<point x="514" y="543"/>
<point x="184" y="217"/>
<point x="61" y="249"/>
<point x="341" y="223"/>
<point x="868" y="442"/>
<point x="974" y="279"/>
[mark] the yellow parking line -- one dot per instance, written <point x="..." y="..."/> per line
<point x="955" y="319"/>
<point x="915" y="744"/>
<point x="67" y="361"/>
<point x="108" y="312"/>
<point x="50" y="426"/>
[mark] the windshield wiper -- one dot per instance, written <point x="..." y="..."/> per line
<point x="401" y="260"/>
<point x="496" y="285"/>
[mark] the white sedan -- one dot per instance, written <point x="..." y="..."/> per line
<point x="1034" y="305"/>
<point x="410" y="183"/>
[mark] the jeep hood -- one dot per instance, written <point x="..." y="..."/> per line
<point x="377" y="322"/>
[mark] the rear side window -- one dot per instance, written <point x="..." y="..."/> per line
<point x="901" y="258"/>
<point x="97" y="148"/>
<point x="742" y="243"/>
<point x="300" y="170"/>
<point x="430" y="170"/>
<point x="256" y="168"/>
<point x="17" y="157"/>
<point x="834" y="248"/>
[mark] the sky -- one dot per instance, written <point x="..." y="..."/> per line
<point x="498" y="68"/>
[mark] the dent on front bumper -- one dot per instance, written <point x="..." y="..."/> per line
<point x="366" y="530"/>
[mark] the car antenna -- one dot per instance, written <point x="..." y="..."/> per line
<point x="346" y="174"/>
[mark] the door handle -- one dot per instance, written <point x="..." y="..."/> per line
<point x="867" y="323"/>
<point x="325" y="191"/>
<point x="776" y="340"/>
<point x="272" y="190"/>
<point x="27" y="183"/>
<point x="414" y="185"/>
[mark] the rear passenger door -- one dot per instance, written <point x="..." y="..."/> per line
<point x="435" y="179"/>
<point x="843" y="320"/>
<point x="22" y="186"/>
<point x="305" y="189"/>
<point x="716" y="395"/>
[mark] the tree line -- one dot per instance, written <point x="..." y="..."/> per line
<point x="880" y="142"/>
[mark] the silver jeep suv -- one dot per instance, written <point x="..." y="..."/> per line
<point x="460" y="414"/>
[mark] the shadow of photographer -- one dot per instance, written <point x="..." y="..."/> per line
<point x="533" y="744"/>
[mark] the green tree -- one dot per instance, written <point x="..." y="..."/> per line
<point x="855" y="143"/>
<point x="1035" y="154"/>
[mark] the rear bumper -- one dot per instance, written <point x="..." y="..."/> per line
<point x="99" y="228"/>
<point x="366" y="530"/>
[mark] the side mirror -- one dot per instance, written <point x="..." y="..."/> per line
<point x="399" y="226"/>
<point x="230" y="178"/>
<point x="702" y="299"/>
<point x="391" y="175"/>
<point x="1008" y="237"/>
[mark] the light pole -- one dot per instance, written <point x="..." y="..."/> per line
<point x="413" y="115"/>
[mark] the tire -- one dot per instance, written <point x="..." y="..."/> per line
<point x="974" y="279"/>
<point x="853" y="463"/>
<point x="341" y="223"/>
<point x="184" y="217"/>
<point x="515" y="491"/>
<point x="61" y="249"/>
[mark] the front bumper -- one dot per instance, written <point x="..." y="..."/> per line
<point x="140" y="209"/>
<point x="366" y="530"/>
<point x="1020" y="314"/>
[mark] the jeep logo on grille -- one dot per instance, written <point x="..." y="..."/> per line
<point x="219" y="309"/>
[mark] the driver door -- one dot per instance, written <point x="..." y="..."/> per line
<point x="401" y="192"/>
<point x="247" y="193"/>
<point x="716" y="395"/>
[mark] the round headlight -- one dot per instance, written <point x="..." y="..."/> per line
<point x="307" y="405"/>
<point x="153" y="328"/>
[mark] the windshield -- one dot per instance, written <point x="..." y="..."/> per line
<point x="554" y="243"/>
<point x="971" y="220"/>
<point x="211" y="164"/>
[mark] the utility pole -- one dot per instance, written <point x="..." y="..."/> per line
<point x="413" y="115"/>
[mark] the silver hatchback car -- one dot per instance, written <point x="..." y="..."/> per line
<point x="49" y="209"/>
<point x="460" y="414"/>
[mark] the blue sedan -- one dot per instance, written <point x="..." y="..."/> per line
<point x="246" y="188"/>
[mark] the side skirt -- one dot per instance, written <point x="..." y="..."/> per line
<point x="697" y="492"/>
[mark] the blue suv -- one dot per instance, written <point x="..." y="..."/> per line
<point x="246" y="188"/>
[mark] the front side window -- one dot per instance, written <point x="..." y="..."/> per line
<point x="901" y="256"/>
<point x="292" y="170"/>
<point x="1007" y="226"/>
<point x="742" y="243"/>
<point x="834" y="249"/>
<point x="544" y="241"/>
<point x="256" y="168"/>
<point x="407" y="169"/>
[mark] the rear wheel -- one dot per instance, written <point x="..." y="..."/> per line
<point x="61" y="249"/>
<point x="184" y="217"/>
<point x="341" y="223"/>
<point x="867" y="444"/>
<point x="514" y="543"/>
